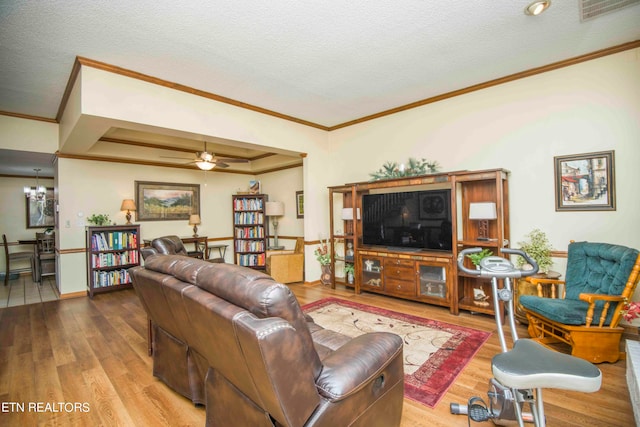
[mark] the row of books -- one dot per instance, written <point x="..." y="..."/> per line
<point x="114" y="240"/>
<point x="247" y="204"/>
<point x="249" y="232"/>
<point x="248" y="218"/>
<point x="250" y="246"/>
<point x="112" y="259"/>
<point x="251" y="260"/>
<point x="102" y="279"/>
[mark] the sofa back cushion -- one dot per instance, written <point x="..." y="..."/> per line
<point x="169" y="245"/>
<point x="243" y="287"/>
<point x="598" y="268"/>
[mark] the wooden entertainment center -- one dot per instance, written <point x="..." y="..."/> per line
<point x="425" y="275"/>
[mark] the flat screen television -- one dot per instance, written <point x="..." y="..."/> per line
<point x="414" y="220"/>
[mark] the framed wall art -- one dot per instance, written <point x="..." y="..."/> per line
<point x="299" y="204"/>
<point x="585" y="182"/>
<point x="163" y="201"/>
<point x="41" y="213"/>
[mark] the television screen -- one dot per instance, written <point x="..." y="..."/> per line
<point x="411" y="220"/>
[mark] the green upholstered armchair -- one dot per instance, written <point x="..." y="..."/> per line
<point x="600" y="279"/>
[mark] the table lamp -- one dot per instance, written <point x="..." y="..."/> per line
<point x="347" y="214"/>
<point x="128" y="205"/>
<point x="483" y="212"/>
<point x="194" y="220"/>
<point x="274" y="210"/>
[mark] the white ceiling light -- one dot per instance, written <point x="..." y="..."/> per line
<point x="39" y="192"/>
<point x="537" y="7"/>
<point x="205" y="165"/>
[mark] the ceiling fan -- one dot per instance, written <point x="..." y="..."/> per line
<point x="207" y="161"/>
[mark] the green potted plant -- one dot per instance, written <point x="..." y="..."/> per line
<point x="478" y="256"/>
<point x="539" y="248"/>
<point x="348" y="270"/>
<point x="99" y="219"/>
<point x="323" y="257"/>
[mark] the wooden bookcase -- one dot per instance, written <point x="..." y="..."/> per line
<point x="250" y="230"/>
<point x="474" y="294"/>
<point x="111" y="251"/>
<point x="428" y="276"/>
<point x="343" y="242"/>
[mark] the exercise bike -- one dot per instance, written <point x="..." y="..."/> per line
<point x="520" y="374"/>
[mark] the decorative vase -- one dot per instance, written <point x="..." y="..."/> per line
<point x="325" y="277"/>
<point x="350" y="278"/>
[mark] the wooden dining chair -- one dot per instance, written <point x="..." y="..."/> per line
<point x="14" y="257"/>
<point x="45" y="262"/>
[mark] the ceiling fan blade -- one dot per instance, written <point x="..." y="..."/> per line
<point x="221" y="165"/>
<point x="228" y="160"/>
<point x="171" y="157"/>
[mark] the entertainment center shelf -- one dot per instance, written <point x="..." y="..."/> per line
<point x="402" y="236"/>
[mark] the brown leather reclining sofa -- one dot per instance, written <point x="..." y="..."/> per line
<point x="233" y="339"/>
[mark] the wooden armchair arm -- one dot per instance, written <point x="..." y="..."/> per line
<point x="553" y="283"/>
<point x="593" y="298"/>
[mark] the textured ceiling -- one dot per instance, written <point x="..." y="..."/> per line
<point x="327" y="62"/>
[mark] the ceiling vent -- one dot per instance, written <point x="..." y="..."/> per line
<point x="590" y="9"/>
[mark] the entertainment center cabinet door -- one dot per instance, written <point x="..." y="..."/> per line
<point x="432" y="282"/>
<point x="371" y="273"/>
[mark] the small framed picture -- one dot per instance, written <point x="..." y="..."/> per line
<point x="585" y="182"/>
<point x="254" y="187"/>
<point x="41" y="212"/>
<point x="299" y="204"/>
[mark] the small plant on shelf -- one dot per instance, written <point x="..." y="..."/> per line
<point x="539" y="248"/>
<point x="413" y="167"/>
<point x="478" y="256"/>
<point x="100" y="219"/>
<point x="348" y="271"/>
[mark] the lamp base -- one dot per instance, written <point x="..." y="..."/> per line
<point x="128" y="216"/>
<point x="195" y="231"/>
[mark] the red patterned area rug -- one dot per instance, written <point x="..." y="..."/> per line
<point x="434" y="352"/>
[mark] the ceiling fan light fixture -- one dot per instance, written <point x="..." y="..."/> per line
<point x="205" y="166"/>
<point x="537" y="7"/>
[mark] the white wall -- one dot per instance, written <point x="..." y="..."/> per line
<point x="281" y="186"/>
<point x="93" y="187"/>
<point x="521" y="126"/>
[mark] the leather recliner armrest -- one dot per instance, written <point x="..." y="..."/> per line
<point x="357" y="363"/>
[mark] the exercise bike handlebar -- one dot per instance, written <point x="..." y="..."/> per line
<point x="488" y="272"/>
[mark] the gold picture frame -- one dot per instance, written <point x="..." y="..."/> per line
<point x="299" y="204"/>
<point x="165" y="201"/>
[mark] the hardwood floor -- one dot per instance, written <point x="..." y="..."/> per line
<point x="84" y="362"/>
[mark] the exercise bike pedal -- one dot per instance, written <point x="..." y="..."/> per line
<point x="478" y="412"/>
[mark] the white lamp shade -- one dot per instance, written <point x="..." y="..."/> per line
<point x="484" y="210"/>
<point x="347" y="214"/>
<point x="194" y="219"/>
<point x="274" y="209"/>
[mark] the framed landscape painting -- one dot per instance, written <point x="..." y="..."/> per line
<point x="585" y="182"/>
<point x="163" y="201"/>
